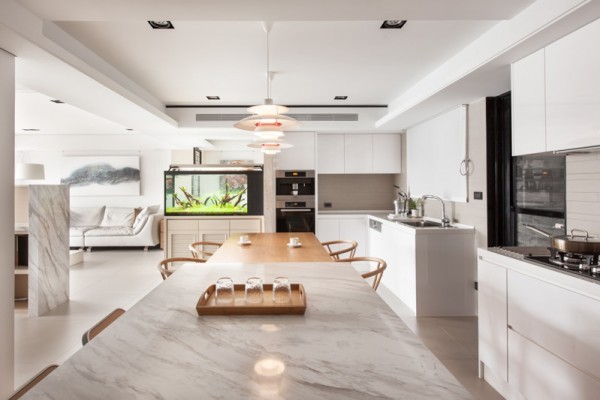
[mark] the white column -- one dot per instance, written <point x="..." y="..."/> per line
<point x="269" y="193"/>
<point x="7" y="222"/>
<point x="48" y="247"/>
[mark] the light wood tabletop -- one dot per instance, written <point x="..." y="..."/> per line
<point x="269" y="248"/>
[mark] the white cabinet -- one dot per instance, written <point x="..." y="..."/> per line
<point x="493" y="317"/>
<point x="538" y="330"/>
<point x="537" y="374"/>
<point x="330" y="154"/>
<point x="344" y="227"/>
<point x="302" y="155"/>
<point x="386" y="154"/>
<point x="359" y="154"/>
<point x="430" y="270"/>
<point x="182" y="232"/>
<point x="555" y="96"/>
<point x="573" y="90"/>
<point x="528" y="105"/>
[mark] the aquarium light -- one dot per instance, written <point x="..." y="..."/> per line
<point x="214" y="167"/>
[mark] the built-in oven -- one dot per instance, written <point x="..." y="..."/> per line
<point x="295" y="201"/>
<point x="295" y="216"/>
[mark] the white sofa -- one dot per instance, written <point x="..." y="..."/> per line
<point x="114" y="227"/>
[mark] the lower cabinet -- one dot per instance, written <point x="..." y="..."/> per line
<point x="182" y="232"/>
<point x="493" y="317"/>
<point x="539" y="333"/>
<point x="344" y="227"/>
<point x="430" y="270"/>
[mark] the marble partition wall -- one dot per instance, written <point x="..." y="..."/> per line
<point x="48" y="247"/>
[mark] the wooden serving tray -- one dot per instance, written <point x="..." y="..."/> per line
<point x="207" y="304"/>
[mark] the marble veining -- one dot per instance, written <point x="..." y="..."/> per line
<point x="348" y="345"/>
<point x="48" y="247"/>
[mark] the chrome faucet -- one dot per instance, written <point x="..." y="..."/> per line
<point x="445" y="220"/>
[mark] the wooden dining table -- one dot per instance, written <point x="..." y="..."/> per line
<point x="271" y="247"/>
<point x="348" y="345"/>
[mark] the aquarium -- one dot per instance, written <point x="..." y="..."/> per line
<point x="213" y="193"/>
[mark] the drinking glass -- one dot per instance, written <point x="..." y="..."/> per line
<point x="254" y="290"/>
<point x="282" y="291"/>
<point x="224" y="290"/>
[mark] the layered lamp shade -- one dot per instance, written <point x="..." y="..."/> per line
<point x="29" y="172"/>
<point x="267" y="120"/>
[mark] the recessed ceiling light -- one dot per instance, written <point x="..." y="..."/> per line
<point x="213" y="97"/>
<point x="31" y="129"/>
<point x="161" y="24"/>
<point x="128" y="129"/>
<point x="393" y="24"/>
<point x="340" y="98"/>
<point x="58" y="101"/>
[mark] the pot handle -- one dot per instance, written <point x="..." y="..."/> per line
<point x="587" y="235"/>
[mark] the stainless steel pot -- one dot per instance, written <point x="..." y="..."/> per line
<point x="580" y="244"/>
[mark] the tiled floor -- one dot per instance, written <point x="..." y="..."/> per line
<point x="453" y="340"/>
<point x="110" y="279"/>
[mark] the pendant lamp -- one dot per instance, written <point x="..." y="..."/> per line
<point x="267" y="120"/>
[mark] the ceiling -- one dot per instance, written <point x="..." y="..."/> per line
<point x="318" y="49"/>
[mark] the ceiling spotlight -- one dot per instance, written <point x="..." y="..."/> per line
<point x="58" y="101"/>
<point x="340" y="98"/>
<point x="393" y="24"/>
<point x="161" y="24"/>
<point x="213" y="97"/>
<point x="128" y="129"/>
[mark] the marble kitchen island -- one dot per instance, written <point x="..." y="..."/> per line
<point x="348" y="345"/>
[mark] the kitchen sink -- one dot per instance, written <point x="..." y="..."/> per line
<point x="423" y="224"/>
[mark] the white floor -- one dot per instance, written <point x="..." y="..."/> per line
<point x="110" y="279"/>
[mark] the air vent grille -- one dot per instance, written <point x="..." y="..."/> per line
<point x="326" y="117"/>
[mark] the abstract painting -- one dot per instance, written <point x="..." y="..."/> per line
<point x="102" y="176"/>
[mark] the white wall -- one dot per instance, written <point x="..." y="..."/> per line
<point x="7" y="239"/>
<point x="153" y="163"/>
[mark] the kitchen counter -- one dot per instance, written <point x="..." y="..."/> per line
<point x="354" y="212"/>
<point x="519" y="253"/>
<point x="348" y="345"/>
<point x="397" y="224"/>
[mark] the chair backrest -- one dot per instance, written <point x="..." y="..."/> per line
<point x="336" y="248"/>
<point x="165" y="265"/>
<point x="102" y="325"/>
<point x="204" y="250"/>
<point x="377" y="266"/>
<point x="32" y="382"/>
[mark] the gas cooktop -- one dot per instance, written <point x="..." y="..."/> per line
<point x="585" y="267"/>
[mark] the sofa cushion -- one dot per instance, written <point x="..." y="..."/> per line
<point x="118" y="216"/>
<point x="110" y="231"/>
<point x="141" y="220"/>
<point x="77" y="231"/>
<point x="153" y="209"/>
<point x="86" y="216"/>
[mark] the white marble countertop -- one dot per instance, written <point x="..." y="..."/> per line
<point x="348" y="345"/>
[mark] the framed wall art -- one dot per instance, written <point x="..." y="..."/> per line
<point x="102" y="176"/>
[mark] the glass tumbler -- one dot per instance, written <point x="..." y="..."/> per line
<point x="254" y="290"/>
<point x="224" y="291"/>
<point x="282" y="291"/>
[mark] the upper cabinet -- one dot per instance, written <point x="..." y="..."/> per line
<point x="555" y="96"/>
<point x="573" y="90"/>
<point x="528" y="105"/>
<point x="359" y="154"/>
<point x="302" y="155"/>
<point x="330" y="154"/>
